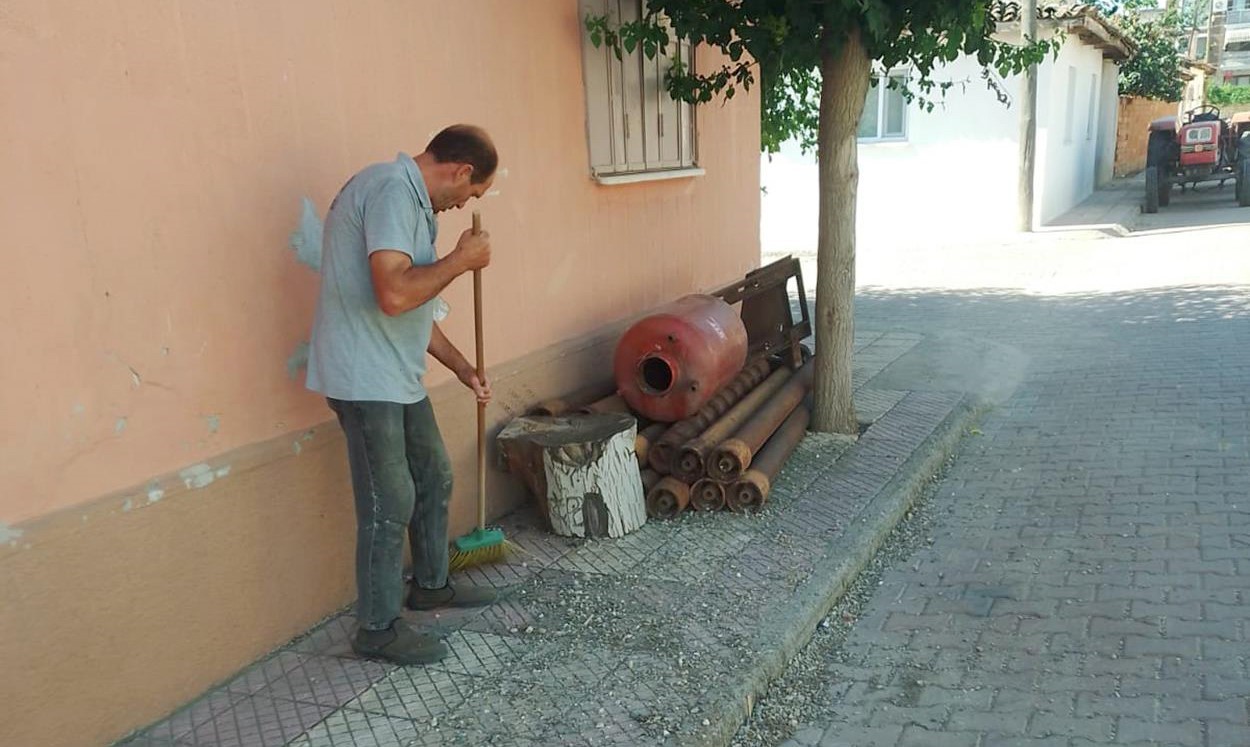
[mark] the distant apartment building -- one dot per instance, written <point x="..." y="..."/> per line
<point x="1221" y="37"/>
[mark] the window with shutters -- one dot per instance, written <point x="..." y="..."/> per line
<point x="636" y="130"/>
<point x="885" y="109"/>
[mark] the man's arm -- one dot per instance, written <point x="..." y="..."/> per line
<point x="450" y="356"/>
<point x="400" y="286"/>
<point x="393" y="233"/>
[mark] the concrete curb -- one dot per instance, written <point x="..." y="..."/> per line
<point x="794" y="623"/>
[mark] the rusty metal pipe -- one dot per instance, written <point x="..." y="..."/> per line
<point x="751" y="490"/>
<point x="689" y="465"/>
<point x="662" y="452"/>
<point x="645" y="438"/>
<point x="733" y="456"/>
<point x="611" y="403"/>
<point x="660" y="457"/>
<point x="649" y="479"/>
<point x="557" y="406"/>
<point x="668" y="498"/>
<point x="707" y="495"/>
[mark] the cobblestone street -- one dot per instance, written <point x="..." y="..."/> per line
<point x="1087" y="581"/>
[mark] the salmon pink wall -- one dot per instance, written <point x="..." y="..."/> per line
<point x="152" y="160"/>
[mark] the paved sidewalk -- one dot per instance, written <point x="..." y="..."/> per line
<point x="662" y="637"/>
<point x="1114" y="210"/>
<point x="1089" y="580"/>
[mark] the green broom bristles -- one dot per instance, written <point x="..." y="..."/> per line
<point x="480" y="547"/>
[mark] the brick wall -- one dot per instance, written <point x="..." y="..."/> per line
<point x="1136" y="114"/>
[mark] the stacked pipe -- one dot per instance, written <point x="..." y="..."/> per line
<point x="660" y="456"/>
<point x="751" y="490"/>
<point x="728" y="454"/>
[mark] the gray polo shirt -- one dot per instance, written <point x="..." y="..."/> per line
<point x="357" y="352"/>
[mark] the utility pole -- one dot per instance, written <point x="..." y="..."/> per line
<point x="1028" y="118"/>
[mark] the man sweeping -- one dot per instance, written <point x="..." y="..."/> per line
<point x="380" y="278"/>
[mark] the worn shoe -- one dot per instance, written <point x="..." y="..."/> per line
<point x="399" y="644"/>
<point x="451" y="596"/>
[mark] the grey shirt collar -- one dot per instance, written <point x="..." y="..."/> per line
<point x="418" y="181"/>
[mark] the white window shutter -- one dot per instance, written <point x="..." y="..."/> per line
<point x="668" y="119"/>
<point x="630" y="67"/>
<point x="686" y="131"/>
<point x="596" y="64"/>
<point x="633" y="125"/>
<point x="652" y="90"/>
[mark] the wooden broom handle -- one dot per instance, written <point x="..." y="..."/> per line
<point x="481" y="376"/>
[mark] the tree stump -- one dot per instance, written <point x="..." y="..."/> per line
<point x="582" y="469"/>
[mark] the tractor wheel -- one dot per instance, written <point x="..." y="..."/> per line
<point x="1152" y="189"/>
<point x="1165" y="189"/>
<point x="1243" y="183"/>
<point x="1159" y="149"/>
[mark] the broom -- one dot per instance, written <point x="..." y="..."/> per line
<point x="483" y="545"/>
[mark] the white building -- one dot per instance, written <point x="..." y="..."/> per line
<point x="951" y="174"/>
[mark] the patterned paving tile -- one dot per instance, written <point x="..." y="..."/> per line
<point x="872" y="404"/>
<point x="443" y="622"/>
<point x="479" y="654"/>
<point x="507" y="617"/>
<point x="184" y="720"/>
<point x="444" y="735"/>
<point x="332" y="637"/>
<point x="349" y="728"/>
<point x="326" y="680"/>
<point x="520" y="713"/>
<point x="420" y="694"/>
<point x="257" y="722"/>
<point x="646" y="700"/>
<point x="266" y="672"/>
<point x="612" y="557"/>
<point x="147" y="739"/>
<point x="698" y="548"/>
<point x="557" y="666"/>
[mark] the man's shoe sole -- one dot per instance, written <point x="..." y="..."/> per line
<point x="450" y="605"/>
<point x="434" y="657"/>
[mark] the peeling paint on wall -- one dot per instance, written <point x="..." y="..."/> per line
<point x="306" y="239"/>
<point x="299" y="442"/>
<point x="155" y="494"/>
<point x="79" y="409"/>
<point x="298" y="360"/>
<point x="10" y="535"/>
<point x="201" y="475"/>
<point x="119" y="426"/>
<point x="197" y="476"/>
<point x="213" y="421"/>
<point x="128" y="505"/>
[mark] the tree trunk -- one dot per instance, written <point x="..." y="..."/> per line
<point x="845" y="75"/>
<point x="582" y="469"/>
<point x="1028" y="120"/>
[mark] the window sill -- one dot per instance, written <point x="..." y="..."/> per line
<point x="608" y="180"/>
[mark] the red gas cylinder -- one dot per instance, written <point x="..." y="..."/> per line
<point x="671" y="363"/>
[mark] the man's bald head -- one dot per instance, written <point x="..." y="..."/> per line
<point x="466" y="144"/>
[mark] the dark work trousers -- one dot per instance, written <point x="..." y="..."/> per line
<point x="402" y="480"/>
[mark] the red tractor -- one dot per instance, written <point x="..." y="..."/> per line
<point x="1204" y="148"/>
